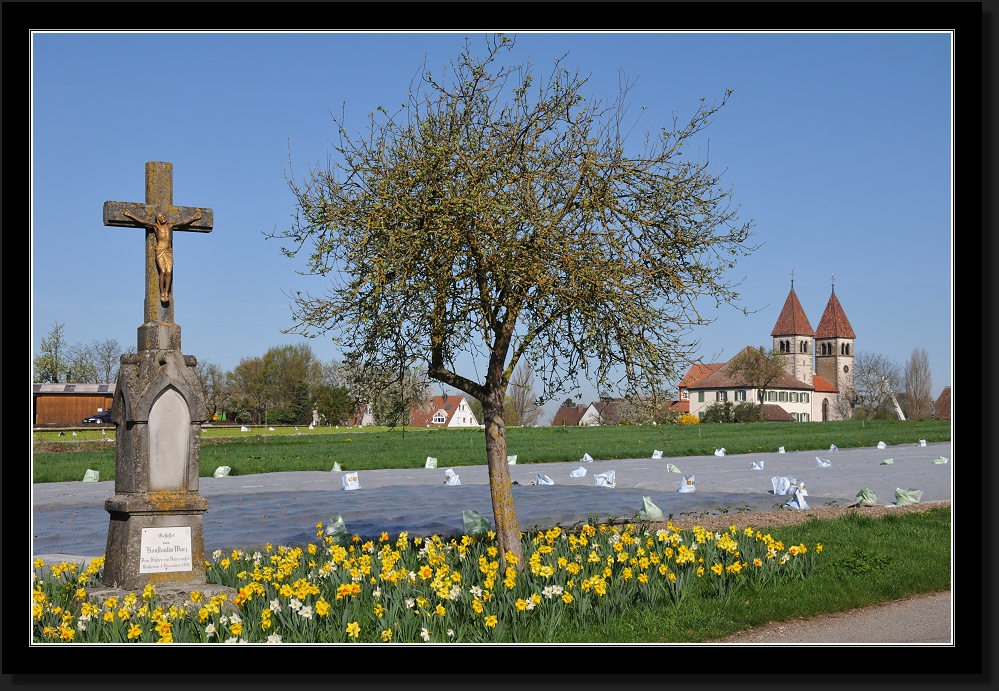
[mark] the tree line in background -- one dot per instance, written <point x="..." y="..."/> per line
<point x="285" y="384"/>
<point x="58" y="360"/>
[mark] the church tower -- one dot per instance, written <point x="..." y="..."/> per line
<point x="834" y="346"/>
<point x="793" y="338"/>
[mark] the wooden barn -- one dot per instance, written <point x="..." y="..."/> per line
<point x="68" y="404"/>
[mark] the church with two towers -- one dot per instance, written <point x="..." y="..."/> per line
<point x="818" y="370"/>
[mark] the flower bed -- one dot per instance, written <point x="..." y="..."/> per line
<point x="426" y="589"/>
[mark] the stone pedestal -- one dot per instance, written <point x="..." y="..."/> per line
<point x="156" y="533"/>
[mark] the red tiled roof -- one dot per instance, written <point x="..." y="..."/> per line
<point x="792" y="320"/>
<point x="698" y="372"/>
<point x="941" y="406"/>
<point x="425" y="416"/>
<point x="568" y="416"/>
<point x="681" y="406"/>
<point x="721" y="379"/>
<point x="823" y="386"/>
<point x="834" y="323"/>
<point x="774" y="413"/>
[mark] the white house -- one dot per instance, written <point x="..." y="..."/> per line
<point x="444" y="411"/>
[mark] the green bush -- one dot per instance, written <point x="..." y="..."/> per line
<point x="282" y="416"/>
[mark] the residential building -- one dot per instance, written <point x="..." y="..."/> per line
<point x="444" y="411"/>
<point x="941" y="406"/>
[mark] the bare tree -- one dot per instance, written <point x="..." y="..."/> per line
<point x="398" y="396"/>
<point x="106" y="358"/>
<point x="81" y="366"/>
<point x="521" y="407"/>
<point x="917" y="385"/>
<point x="51" y="362"/>
<point x="758" y="368"/>
<point x="505" y="214"/>
<point x="215" y="388"/>
<point x="874" y="378"/>
<point x="250" y="390"/>
<point x="93" y="363"/>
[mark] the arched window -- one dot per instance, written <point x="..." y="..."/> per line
<point x="803" y="346"/>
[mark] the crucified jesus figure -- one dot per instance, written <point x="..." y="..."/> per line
<point x="164" y="247"/>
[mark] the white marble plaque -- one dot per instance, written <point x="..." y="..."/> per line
<point x="165" y="550"/>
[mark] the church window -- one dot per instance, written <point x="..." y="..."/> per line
<point x="803" y="346"/>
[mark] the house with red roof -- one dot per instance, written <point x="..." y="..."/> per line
<point x="444" y="411"/>
<point x="570" y="416"/>
<point x="818" y="370"/>
<point x="941" y="406"/>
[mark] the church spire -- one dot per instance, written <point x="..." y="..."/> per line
<point x="792" y="320"/>
<point x="834" y="323"/>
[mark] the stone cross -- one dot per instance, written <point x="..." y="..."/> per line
<point x="156" y="524"/>
<point x="160" y="218"/>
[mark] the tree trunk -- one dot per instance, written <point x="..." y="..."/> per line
<point x="500" y="488"/>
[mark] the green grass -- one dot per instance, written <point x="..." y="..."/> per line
<point x="261" y="450"/>
<point x="865" y="561"/>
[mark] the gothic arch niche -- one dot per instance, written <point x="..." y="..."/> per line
<point x="825" y="410"/>
<point x="169" y="441"/>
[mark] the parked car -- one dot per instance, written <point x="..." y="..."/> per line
<point x="100" y="418"/>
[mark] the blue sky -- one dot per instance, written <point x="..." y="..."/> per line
<point x="838" y="146"/>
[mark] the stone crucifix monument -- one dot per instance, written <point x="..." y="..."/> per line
<point x="156" y="531"/>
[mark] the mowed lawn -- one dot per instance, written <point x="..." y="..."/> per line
<point x="263" y="449"/>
